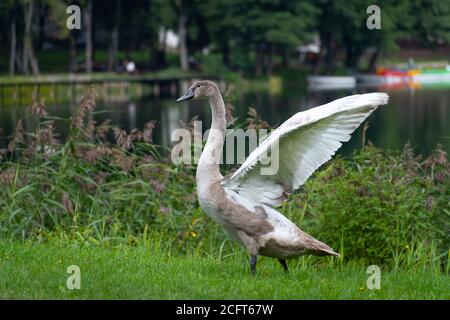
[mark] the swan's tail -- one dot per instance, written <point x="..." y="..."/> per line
<point x="318" y="248"/>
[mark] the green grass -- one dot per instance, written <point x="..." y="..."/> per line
<point x="151" y="272"/>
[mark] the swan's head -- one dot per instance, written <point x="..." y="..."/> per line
<point x="200" y="89"/>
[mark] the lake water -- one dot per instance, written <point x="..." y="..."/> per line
<point x="420" y="116"/>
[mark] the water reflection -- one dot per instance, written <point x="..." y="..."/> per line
<point x="420" y="116"/>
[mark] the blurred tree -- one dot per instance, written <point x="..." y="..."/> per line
<point x="113" y="47"/>
<point x="182" y="20"/>
<point x="146" y="24"/>
<point x="395" y="24"/>
<point x="9" y="15"/>
<point x="346" y="30"/>
<point x="265" y="28"/>
<point x="89" y="47"/>
<point x="430" y="22"/>
<point x="250" y="36"/>
<point x="280" y="26"/>
<point x="57" y="10"/>
<point x="110" y="21"/>
<point x="28" y="58"/>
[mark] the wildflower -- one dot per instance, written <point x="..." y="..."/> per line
<point x="122" y="139"/>
<point x="254" y="121"/>
<point x="92" y="155"/>
<point x="164" y="210"/>
<point x="17" y="138"/>
<point x="147" y="159"/>
<point x="38" y="108"/>
<point x="2" y="153"/>
<point x="122" y="161"/>
<point x="7" y="176"/>
<point x="67" y="203"/>
<point x="158" y="186"/>
<point x="439" y="157"/>
<point x="229" y="108"/>
<point x="46" y="134"/>
<point x="102" y="130"/>
<point x="89" y="130"/>
<point x="147" y="135"/>
<point x="87" y="104"/>
<point x="101" y="177"/>
<point x="429" y="204"/>
<point x="440" y="176"/>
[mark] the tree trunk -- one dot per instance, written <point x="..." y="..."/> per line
<point x="19" y="56"/>
<point x="153" y="56"/>
<point x="162" y="48"/>
<point x="28" y="52"/>
<point x="324" y="47"/>
<point x="259" y="60"/>
<point x="12" y="53"/>
<point x="285" y="58"/>
<point x="28" y="15"/>
<point x="114" y="40"/>
<point x="112" y="50"/>
<point x="226" y="52"/>
<point x="88" y="36"/>
<point x="330" y="58"/>
<point x="270" y="60"/>
<point x="182" y="38"/>
<point x="373" y="61"/>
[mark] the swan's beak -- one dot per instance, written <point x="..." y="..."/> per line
<point x="188" y="95"/>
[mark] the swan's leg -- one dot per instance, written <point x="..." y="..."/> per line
<point x="284" y="265"/>
<point x="252" y="247"/>
<point x="253" y="260"/>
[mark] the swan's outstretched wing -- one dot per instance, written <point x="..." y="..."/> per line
<point x="305" y="142"/>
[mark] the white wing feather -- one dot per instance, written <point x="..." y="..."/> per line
<point x="305" y="141"/>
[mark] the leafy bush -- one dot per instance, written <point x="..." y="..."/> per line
<point x="102" y="184"/>
<point x="380" y="204"/>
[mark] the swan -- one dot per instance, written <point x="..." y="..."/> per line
<point x="244" y="202"/>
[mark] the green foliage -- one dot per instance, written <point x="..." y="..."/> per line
<point x="212" y="64"/>
<point x="430" y="21"/>
<point x="381" y="205"/>
<point x="252" y="37"/>
<point x="89" y="187"/>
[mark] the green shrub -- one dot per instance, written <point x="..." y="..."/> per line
<point x="379" y="204"/>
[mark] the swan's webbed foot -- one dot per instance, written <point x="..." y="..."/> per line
<point x="284" y="265"/>
<point x="253" y="260"/>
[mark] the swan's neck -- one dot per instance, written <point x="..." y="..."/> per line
<point x="208" y="166"/>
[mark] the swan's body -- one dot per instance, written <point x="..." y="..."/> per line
<point x="243" y="203"/>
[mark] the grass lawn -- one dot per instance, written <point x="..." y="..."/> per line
<point x="145" y="272"/>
